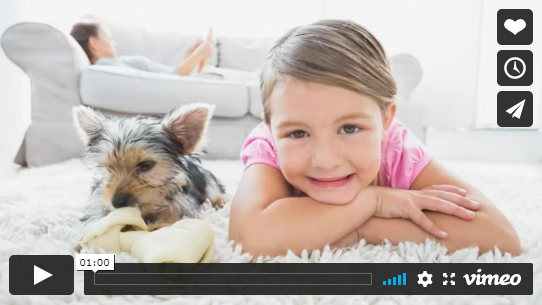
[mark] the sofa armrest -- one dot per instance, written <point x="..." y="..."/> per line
<point x="53" y="61"/>
<point x="407" y="72"/>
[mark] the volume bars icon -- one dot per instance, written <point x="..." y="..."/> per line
<point x="398" y="280"/>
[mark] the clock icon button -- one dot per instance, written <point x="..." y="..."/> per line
<point x="515" y="68"/>
<point x="511" y="67"/>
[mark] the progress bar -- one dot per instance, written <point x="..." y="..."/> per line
<point x="232" y="279"/>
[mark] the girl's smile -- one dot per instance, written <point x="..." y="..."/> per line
<point x="332" y="182"/>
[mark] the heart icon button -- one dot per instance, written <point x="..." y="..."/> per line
<point x="515" y="26"/>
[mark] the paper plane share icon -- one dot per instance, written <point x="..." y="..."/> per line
<point x="516" y="109"/>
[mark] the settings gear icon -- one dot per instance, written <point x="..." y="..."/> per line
<point x="427" y="278"/>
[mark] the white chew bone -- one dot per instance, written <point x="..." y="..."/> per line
<point x="186" y="241"/>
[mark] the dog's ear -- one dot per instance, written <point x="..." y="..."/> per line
<point x="188" y="124"/>
<point x="88" y="123"/>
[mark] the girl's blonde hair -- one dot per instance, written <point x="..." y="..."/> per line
<point x="339" y="53"/>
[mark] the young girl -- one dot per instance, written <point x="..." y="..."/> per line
<point x="331" y="164"/>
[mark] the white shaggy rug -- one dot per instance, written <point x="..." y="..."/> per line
<point x="39" y="209"/>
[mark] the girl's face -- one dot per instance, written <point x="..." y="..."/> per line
<point x="328" y="139"/>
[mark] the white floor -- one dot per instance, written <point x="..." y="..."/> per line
<point x="39" y="210"/>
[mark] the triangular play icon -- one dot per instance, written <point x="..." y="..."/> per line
<point x="40" y="275"/>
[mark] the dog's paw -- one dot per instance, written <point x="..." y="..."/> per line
<point x="221" y="200"/>
<point x="77" y="247"/>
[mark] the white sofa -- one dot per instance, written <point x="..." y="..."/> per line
<point x="62" y="77"/>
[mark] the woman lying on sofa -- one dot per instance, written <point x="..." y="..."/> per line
<point x="100" y="48"/>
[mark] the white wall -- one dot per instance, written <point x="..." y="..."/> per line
<point x="14" y="89"/>
<point x="443" y="35"/>
<point x="228" y="17"/>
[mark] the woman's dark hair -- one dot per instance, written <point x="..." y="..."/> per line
<point x="82" y="31"/>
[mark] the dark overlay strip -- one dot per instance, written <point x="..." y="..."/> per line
<point x="334" y="279"/>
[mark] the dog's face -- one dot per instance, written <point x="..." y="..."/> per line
<point x="139" y="159"/>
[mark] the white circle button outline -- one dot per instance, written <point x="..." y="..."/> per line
<point x="521" y="74"/>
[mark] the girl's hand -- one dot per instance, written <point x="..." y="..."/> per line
<point x="409" y="204"/>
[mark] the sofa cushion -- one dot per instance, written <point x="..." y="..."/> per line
<point x="129" y="90"/>
<point x="245" y="54"/>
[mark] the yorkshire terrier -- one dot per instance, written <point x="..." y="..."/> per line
<point x="149" y="162"/>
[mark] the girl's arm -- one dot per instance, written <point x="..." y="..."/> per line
<point x="268" y="221"/>
<point x="488" y="229"/>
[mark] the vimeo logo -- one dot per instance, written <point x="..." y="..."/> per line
<point x="482" y="279"/>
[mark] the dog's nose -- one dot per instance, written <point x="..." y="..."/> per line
<point x="122" y="200"/>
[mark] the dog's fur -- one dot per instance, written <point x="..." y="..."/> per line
<point x="149" y="162"/>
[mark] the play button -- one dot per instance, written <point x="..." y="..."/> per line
<point x="41" y="274"/>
